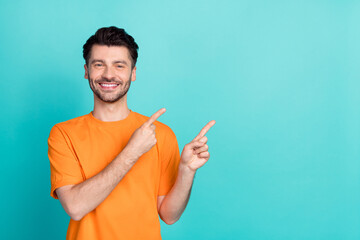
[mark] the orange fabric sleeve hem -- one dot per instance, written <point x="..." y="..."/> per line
<point x="57" y="185"/>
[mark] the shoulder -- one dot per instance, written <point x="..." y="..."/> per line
<point x="72" y="125"/>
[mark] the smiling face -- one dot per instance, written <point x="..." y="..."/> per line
<point x="110" y="72"/>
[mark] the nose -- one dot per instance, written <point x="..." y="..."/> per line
<point x="108" y="73"/>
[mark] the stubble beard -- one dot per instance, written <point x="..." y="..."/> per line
<point x="114" y="97"/>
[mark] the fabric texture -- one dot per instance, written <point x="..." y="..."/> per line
<point x="82" y="147"/>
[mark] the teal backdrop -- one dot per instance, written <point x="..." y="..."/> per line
<point x="281" y="78"/>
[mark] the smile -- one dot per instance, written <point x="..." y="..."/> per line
<point x="108" y="85"/>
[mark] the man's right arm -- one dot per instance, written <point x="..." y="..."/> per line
<point x="80" y="199"/>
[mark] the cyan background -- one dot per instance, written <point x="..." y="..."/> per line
<point x="280" y="77"/>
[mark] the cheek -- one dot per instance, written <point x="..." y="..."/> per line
<point x="94" y="76"/>
<point x="123" y="76"/>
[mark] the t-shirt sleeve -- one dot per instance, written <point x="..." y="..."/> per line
<point x="170" y="158"/>
<point x="64" y="165"/>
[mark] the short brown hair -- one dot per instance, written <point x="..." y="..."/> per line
<point x="111" y="36"/>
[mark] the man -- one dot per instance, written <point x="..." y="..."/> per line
<point x="114" y="170"/>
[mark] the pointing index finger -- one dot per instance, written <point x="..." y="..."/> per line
<point x="205" y="129"/>
<point x="155" y="116"/>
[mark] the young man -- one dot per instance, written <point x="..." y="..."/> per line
<point x="114" y="170"/>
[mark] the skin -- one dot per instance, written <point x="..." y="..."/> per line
<point x="113" y="65"/>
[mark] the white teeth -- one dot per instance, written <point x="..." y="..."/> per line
<point x="108" y="85"/>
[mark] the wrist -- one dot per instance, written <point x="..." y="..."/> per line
<point x="128" y="156"/>
<point x="185" y="169"/>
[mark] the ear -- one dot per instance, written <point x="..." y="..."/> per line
<point x="86" y="72"/>
<point x="133" y="74"/>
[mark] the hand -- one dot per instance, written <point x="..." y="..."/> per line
<point x="143" y="139"/>
<point x="195" y="154"/>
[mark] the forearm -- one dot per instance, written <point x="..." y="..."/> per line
<point x="194" y="155"/>
<point x="176" y="200"/>
<point x="86" y="196"/>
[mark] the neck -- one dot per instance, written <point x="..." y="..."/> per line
<point x="109" y="112"/>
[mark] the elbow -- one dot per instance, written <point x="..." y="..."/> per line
<point x="169" y="221"/>
<point x="169" y="217"/>
<point x="73" y="208"/>
<point x="76" y="217"/>
<point x="74" y="213"/>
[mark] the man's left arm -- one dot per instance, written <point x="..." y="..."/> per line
<point x="194" y="155"/>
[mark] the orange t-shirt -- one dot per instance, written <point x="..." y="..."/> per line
<point x="82" y="147"/>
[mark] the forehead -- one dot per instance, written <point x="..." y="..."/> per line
<point x="103" y="52"/>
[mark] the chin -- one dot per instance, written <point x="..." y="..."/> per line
<point x="108" y="99"/>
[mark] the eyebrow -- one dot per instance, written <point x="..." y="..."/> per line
<point x="121" y="61"/>
<point x="116" y="61"/>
